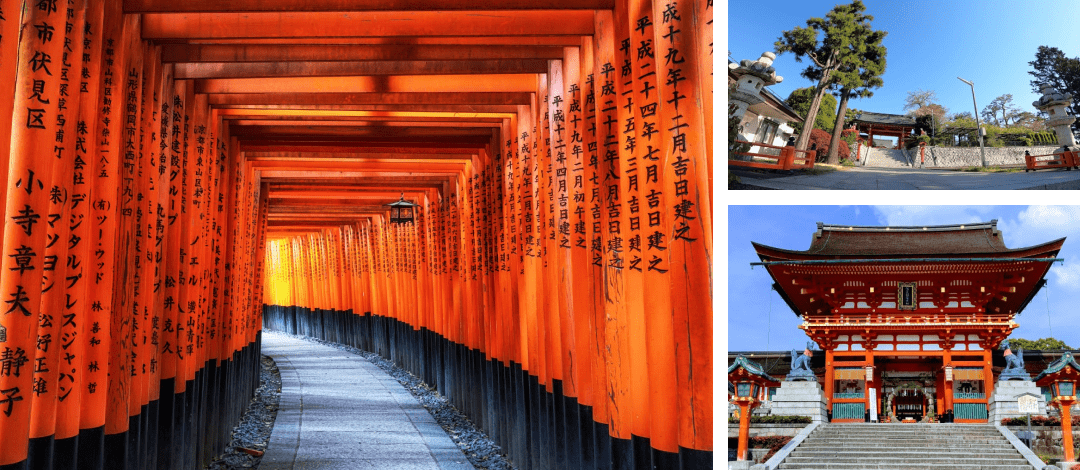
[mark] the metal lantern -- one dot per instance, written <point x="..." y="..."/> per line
<point x="750" y="381"/>
<point x="401" y="211"/>
<point x="1064" y="389"/>
<point x="1061" y="376"/>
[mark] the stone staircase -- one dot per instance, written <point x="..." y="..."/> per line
<point x="887" y="158"/>
<point x="906" y="446"/>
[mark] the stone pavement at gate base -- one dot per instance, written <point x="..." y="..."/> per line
<point x="339" y="411"/>
<point x="896" y="178"/>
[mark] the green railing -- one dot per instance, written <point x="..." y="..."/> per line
<point x="976" y="396"/>
<point x="848" y="411"/>
<point x="969" y="411"/>
<point x="849" y="395"/>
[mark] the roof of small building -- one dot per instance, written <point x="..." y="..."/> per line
<point x="898" y="120"/>
<point x="905" y="241"/>
<point x="752" y="367"/>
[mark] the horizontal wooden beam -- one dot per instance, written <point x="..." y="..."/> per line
<point x="207" y="6"/>
<point x="389" y="167"/>
<point x="499" y="83"/>
<point x="321" y="194"/>
<point x="435" y="143"/>
<point x="367" y="157"/>
<point x="286" y="128"/>
<point x="548" y="40"/>
<point x="366" y="184"/>
<point x="343" y="69"/>
<point x="290" y="175"/>
<point x="277" y="229"/>
<point x="400" y="98"/>
<point x="376" y="123"/>
<point x="343" y="147"/>
<point x="369" y="52"/>
<point x="323" y="210"/>
<point x="355" y="115"/>
<point x="159" y="26"/>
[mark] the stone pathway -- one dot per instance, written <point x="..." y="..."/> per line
<point x="896" y="178"/>
<point x="339" y="411"/>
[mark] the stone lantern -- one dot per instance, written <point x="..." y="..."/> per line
<point x="1061" y="376"/>
<point x="749" y="381"/>
<point x="750" y="77"/>
<point x="1056" y="105"/>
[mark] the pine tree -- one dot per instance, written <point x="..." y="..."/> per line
<point x="846" y="28"/>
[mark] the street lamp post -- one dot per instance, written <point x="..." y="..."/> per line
<point x="977" y="122"/>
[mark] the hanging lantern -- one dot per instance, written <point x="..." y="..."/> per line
<point x="401" y="211"/>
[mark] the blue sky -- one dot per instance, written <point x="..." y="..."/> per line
<point x="758" y="319"/>
<point x="930" y="43"/>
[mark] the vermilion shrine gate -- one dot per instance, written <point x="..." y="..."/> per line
<point x="887" y="125"/>
<point x="908" y="316"/>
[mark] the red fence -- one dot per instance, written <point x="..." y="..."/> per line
<point x="1067" y="160"/>
<point x="789" y="158"/>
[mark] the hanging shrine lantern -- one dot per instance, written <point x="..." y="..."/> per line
<point x="401" y="211"/>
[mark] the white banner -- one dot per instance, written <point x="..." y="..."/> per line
<point x="873" y="404"/>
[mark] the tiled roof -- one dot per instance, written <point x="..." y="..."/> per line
<point x="930" y="240"/>
<point x="752" y="367"/>
<point x="1066" y="359"/>
<point x="887" y="119"/>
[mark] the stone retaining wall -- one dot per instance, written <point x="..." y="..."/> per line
<point x="960" y="157"/>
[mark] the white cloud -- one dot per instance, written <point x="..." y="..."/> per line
<point x="1050" y="222"/>
<point x="931" y="215"/>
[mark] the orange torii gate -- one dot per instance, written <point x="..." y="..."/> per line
<point x="211" y="169"/>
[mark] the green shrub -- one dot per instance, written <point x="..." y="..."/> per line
<point x="774" y="419"/>
<point x="775" y="443"/>
<point x="1038" y="421"/>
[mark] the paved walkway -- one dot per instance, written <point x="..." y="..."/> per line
<point x="339" y="411"/>
<point x="898" y="178"/>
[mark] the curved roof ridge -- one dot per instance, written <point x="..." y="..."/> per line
<point x="907" y="228"/>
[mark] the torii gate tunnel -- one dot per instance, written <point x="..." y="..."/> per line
<point x="179" y="175"/>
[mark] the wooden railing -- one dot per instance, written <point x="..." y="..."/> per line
<point x="1067" y="160"/>
<point x="788" y="159"/>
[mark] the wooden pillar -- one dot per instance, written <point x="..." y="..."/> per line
<point x="11" y="16"/>
<point x="105" y="215"/>
<point x="33" y="132"/>
<point x="829" y="374"/>
<point x="744" y="430"/>
<point x="1066" y="429"/>
<point x="988" y="372"/>
<point x="84" y="170"/>
<point x="686" y="183"/>
<point x="128" y="81"/>
<point x="59" y="284"/>
<point x="947" y="384"/>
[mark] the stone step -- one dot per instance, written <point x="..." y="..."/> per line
<point x="888" y="451"/>
<point x="899" y="466"/>
<point x="908" y="434"/>
<point x="901" y="446"/>
<point x="854" y="458"/>
<point x="909" y="443"/>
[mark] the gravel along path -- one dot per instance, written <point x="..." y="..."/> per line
<point x="253" y="432"/>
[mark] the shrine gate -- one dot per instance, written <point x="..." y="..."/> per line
<point x="909" y="315"/>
